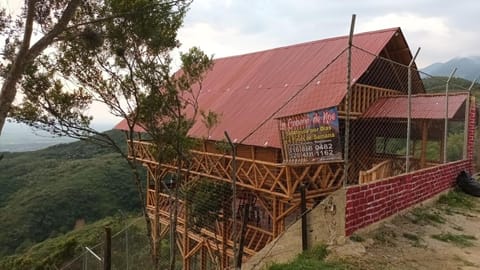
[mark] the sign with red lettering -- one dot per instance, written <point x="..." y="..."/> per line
<point x="311" y="137"/>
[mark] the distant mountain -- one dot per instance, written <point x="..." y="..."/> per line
<point x="21" y="138"/>
<point x="467" y="68"/>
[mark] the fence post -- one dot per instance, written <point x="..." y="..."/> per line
<point x="107" y="252"/>
<point x="234" y="191"/>
<point x="409" y="111"/>
<point x="347" y="101"/>
<point x="467" y="120"/>
<point x="303" y="210"/>
<point x="445" y="134"/>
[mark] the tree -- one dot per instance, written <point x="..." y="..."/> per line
<point x="117" y="53"/>
<point x="18" y="53"/>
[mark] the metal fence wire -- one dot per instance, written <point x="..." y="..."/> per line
<point x="130" y="250"/>
<point x="390" y="132"/>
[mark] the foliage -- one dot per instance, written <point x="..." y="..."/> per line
<point x="46" y="191"/>
<point x="71" y="36"/>
<point x="118" y="53"/>
<point x="438" y="85"/>
<point x="210" y="119"/>
<point x="57" y="251"/>
<point x="207" y="198"/>
<point x="310" y="260"/>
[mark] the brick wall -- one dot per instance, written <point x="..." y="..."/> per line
<point x="367" y="204"/>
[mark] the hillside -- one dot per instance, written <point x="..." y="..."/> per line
<point x="45" y="192"/>
<point x="467" y="68"/>
<point x="68" y="251"/>
<point x="437" y="85"/>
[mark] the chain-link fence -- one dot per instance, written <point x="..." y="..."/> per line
<point x="398" y="118"/>
<point x="228" y="199"/>
<point x="421" y="129"/>
<point x="130" y="250"/>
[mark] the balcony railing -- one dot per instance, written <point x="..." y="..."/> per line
<point x="256" y="238"/>
<point x="276" y="179"/>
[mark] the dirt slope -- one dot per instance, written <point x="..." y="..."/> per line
<point x="445" y="235"/>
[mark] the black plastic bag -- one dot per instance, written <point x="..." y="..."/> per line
<point x="468" y="184"/>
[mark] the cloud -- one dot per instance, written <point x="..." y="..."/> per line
<point x="409" y="22"/>
<point x="420" y="31"/>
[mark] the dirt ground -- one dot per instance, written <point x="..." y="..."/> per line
<point x="439" y="236"/>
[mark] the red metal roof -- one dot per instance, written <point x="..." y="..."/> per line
<point x="423" y="106"/>
<point x="249" y="91"/>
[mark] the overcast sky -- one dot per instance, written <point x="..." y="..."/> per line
<point x="443" y="29"/>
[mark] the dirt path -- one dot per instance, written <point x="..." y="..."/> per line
<point x="445" y="235"/>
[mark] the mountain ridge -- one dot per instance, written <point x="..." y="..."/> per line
<point x="467" y="68"/>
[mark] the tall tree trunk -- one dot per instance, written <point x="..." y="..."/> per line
<point x="27" y="54"/>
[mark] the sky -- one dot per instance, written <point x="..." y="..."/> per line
<point x="443" y="29"/>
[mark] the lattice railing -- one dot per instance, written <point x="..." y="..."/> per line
<point x="363" y="96"/>
<point x="255" y="238"/>
<point x="276" y="179"/>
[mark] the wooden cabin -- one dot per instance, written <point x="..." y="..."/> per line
<point x="253" y="93"/>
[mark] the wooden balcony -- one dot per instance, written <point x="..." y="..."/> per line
<point x="276" y="179"/>
<point x="363" y="96"/>
<point x="218" y="234"/>
<point x="388" y="167"/>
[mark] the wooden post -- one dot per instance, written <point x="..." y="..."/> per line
<point x="303" y="207"/>
<point x="107" y="252"/>
<point x="424" y="143"/>
<point x="274" y="217"/>
<point x="289" y="180"/>
<point x="281" y="222"/>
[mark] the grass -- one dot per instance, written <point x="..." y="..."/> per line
<point x="310" y="260"/>
<point x="457" y="199"/>
<point x="415" y="239"/>
<point x="386" y="237"/>
<point x="460" y="240"/>
<point x="424" y="216"/>
<point x="458" y="228"/>
<point x="357" y="238"/>
<point x="411" y="236"/>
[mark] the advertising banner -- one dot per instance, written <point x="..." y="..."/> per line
<point x="311" y="137"/>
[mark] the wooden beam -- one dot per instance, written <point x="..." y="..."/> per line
<point x="196" y="248"/>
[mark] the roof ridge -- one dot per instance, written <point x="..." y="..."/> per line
<point x="393" y="29"/>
